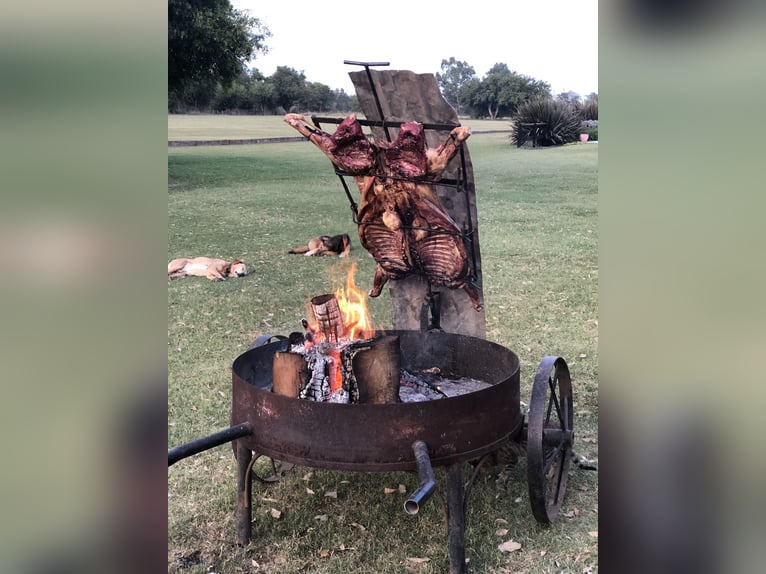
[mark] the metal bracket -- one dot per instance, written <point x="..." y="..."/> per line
<point x="430" y="312"/>
<point x="372" y="86"/>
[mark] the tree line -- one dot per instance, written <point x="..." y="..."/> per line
<point x="210" y="44"/>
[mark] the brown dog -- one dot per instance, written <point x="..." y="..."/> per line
<point x="213" y="269"/>
<point x="326" y="245"/>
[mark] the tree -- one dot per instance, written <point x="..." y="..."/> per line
<point x="209" y="42"/>
<point x="289" y="85"/>
<point x="569" y="97"/>
<point x="455" y="75"/>
<point x="502" y="91"/>
<point x="263" y="96"/>
<point x="342" y="101"/>
<point x="317" y="97"/>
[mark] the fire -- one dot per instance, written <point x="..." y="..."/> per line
<point x="353" y="306"/>
<point x="339" y="319"/>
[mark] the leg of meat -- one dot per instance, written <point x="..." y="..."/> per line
<point x="439" y="157"/>
<point x="348" y="148"/>
<point x="378" y="281"/>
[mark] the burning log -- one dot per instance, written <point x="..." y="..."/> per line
<point x="371" y="370"/>
<point x="377" y="371"/>
<point x="290" y="373"/>
<point x="327" y="314"/>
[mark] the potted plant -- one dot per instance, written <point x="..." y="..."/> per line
<point x="589" y="131"/>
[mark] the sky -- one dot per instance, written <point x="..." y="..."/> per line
<point x="555" y="41"/>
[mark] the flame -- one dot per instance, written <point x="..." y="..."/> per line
<point x="357" y="324"/>
<point x="353" y="305"/>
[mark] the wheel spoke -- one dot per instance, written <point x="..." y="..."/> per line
<point x="556" y="490"/>
<point x="552" y="458"/>
<point x="554" y="401"/>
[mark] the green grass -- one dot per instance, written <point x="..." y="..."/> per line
<point x="219" y="127"/>
<point x="538" y="234"/>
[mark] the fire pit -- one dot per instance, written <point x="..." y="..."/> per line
<point x="379" y="437"/>
<point x="415" y="436"/>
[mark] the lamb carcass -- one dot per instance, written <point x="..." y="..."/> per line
<point x="401" y="221"/>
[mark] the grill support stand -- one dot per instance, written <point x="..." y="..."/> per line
<point x="456" y="506"/>
<point x="244" y="489"/>
<point x="456" y="518"/>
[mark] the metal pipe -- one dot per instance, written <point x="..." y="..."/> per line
<point x="426" y="476"/>
<point x="208" y="442"/>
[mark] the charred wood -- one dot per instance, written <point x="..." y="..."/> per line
<point x="290" y="373"/>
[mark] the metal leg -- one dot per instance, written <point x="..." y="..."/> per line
<point x="456" y="519"/>
<point x="244" y="482"/>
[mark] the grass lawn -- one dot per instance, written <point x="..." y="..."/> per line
<point x="220" y="127"/>
<point x="538" y="232"/>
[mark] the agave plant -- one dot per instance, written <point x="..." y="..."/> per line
<point x="589" y="110"/>
<point x="545" y="122"/>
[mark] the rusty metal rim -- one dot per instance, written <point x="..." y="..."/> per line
<point x="549" y="453"/>
<point x="405" y="465"/>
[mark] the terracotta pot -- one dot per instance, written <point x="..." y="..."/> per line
<point x="584" y="137"/>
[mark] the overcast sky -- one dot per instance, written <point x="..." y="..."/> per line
<point x="551" y="40"/>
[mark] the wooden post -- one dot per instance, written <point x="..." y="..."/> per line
<point x="377" y="371"/>
<point x="290" y="373"/>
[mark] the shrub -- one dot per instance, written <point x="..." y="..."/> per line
<point x="589" y="110"/>
<point x="545" y="122"/>
<point x="590" y="127"/>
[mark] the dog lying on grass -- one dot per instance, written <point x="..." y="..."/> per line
<point x="326" y="245"/>
<point x="213" y="269"/>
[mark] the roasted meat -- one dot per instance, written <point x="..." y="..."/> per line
<point x="401" y="220"/>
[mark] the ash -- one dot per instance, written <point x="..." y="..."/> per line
<point x="414" y="386"/>
<point x="430" y="385"/>
<point x="318" y="387"/>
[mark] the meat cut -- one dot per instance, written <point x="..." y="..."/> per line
<point x="401" y="220"/>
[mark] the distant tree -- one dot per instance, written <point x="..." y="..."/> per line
<point x="342" y="101"/>
<point x="569" y="97"/>
<point x="455" y="75"/>
<point x="231" y="97"/>
<point x="197" y="96"/>
<point x="209" y="42"/>
<point x="316" y="97"/>
<point x="592" y="97"/>
<point x="289" y="86"/>
<point x="502" y="91"/>
<point x="499" y="68"/>
<point x="264" y="96"/>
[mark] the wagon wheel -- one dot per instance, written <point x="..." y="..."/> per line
<point x="549" y="438"/>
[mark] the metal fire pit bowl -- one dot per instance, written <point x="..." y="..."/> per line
<point x="379" y="437"/>
<point x="416" y="436"/>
